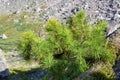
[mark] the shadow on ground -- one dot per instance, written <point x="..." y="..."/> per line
<point x="39" y="74"/>
<point x="33" y="74"/>
<point x="4" y="74"/>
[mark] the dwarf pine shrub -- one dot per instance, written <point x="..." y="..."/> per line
<point x="90" y="39"/>
<point x="70" y="50"/>
<point x="27" y="43"/>
<point x="67" y="62"/>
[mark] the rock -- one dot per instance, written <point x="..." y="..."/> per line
<point x="16" y="21"/>
<point x="112" y="28"/>
<point x="3" y="36"/>
<point x="37" y="75"/>
<point x="74" y="10"/>
<point x="38" y="10"/>
<point x="117" y="69"/>
<point x="4" y="72"/>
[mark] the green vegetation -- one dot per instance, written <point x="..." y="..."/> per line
<point x="27" y="44"/>
<point x="67" y="51"/>
<point x="13" y="26"/>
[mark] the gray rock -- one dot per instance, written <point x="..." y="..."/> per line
<point x="4" y="72"/>
<point x="3" y="36"/>
<point x="117" y="69"/>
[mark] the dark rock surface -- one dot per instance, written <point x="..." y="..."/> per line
<point x="117" y="69"/>
<point x="38" y="75"/>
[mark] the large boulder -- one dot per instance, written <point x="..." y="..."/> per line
<point x="4" y="72"/>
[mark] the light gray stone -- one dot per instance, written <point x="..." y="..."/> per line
<point x="3" y="36"/>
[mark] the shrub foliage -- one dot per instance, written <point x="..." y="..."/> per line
<point x="27" y="43"/>
<point x="70" y="50"/>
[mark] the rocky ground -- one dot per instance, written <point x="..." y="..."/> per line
<point x="62" y="9"/>
<point x="19" y="68"/>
